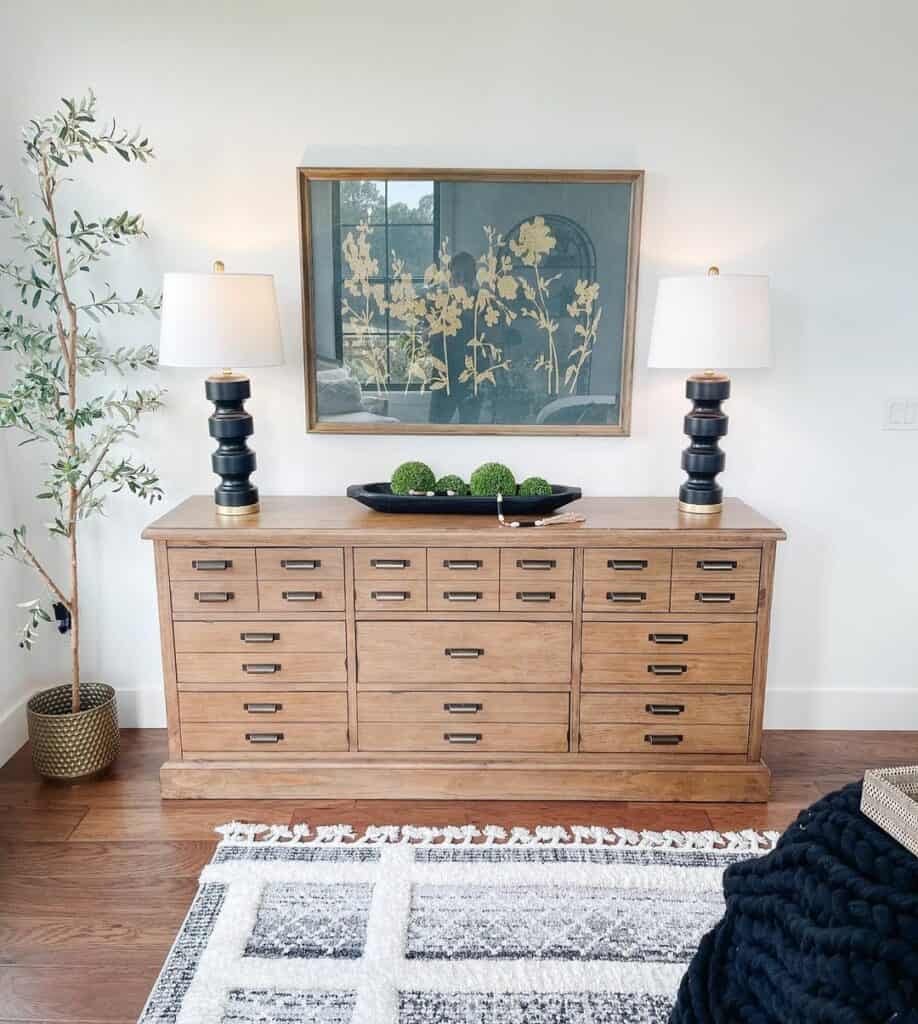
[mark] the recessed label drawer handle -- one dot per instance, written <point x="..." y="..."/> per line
<point x="462" y="595"/>
<point x="390" y="595"/>
<point x="264" y="737"/>
<point x="464" y="652"/>
<point x="211" y="564"/>
<point x="213" y="596"/>
<point x="263" y="709"/>
<point x="301" y="595"/>
<point x="261" y="670"/>
<point x="390" y="563"/>
<point x="668" y="638"/>
<point x="463" y="709"/>
<point x="536" y="563"/>
<point x="462" y="737"/>
<point x="536" y="596"/>
<point x="713" y="597"/>
<point x="667" y="670"/>
<point x="259" y="638"/>
<point x="294" y="564"/>
<point x="462" y="563"/>
<point x="664" y="709"/>
<point x="627" y="564"/>
<point x="663" y="740"/>
<point x="707" y="565"/>
<point x="627" y="596"/>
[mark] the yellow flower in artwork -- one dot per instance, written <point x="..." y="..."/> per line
<point x="535" y="241"/>
<point x="507" y="287"/>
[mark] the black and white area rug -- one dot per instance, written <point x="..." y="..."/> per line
<point x="444" y="926"/>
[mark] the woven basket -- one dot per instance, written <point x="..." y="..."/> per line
<point x="890" y="800"/>
<point x="72" y="746"/>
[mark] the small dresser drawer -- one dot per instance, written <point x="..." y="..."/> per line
<point x="398" y="595"/>
<point x="483" y="737"/>
<point x="609" y="671"/>
<point x="386" y="564"/>
<point x="215" y="595"/>
<point x="212" y="564"/>
<point x="459" y="564"/>
<point x="462" y="707"/>
<point x="665" y="709"/>
<point x="673" y="639"/>
<point x="714" y="596"/>
<point x="261" y="668"/>
<point x="251" y="637"/>
<point x="463" y="594"/>
<point x="262" y="738"/>
<point x="627" y="564"/>
<point x="297" y="596"/>
<point x="712" y="564"/>
<point x="300" y="563"/>
<point x="532" y="595"/>
<point x="536" y="563"/>
<point x="626" y="595"/>
<point x="661" y="739"/>
<point x="468" y="652"/>
<point x="263" y="708"/>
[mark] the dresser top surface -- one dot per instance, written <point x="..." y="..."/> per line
<point x="283" y="518"/>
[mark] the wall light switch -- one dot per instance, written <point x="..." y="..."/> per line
<point x="900" y="414"/>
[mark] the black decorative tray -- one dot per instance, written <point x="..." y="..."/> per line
<point x="381" y="498"/>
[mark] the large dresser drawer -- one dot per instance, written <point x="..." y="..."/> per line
<point x="611" y="671"/>
<point x="622" y="565"/>
<point x="665" y="709"/>
<point x="207" y="595"/>
<point x="458" y="709"/>
<point x="301" y="596"/>
<point x="211" y="564"/>
<point x="261" y="668"/>
<point x="626" y="595"/>
<point x="300" y="563"/>
<point x="480" y="652"/>
<point x="718" y="595"/>
<point x="712" y="564"/>
<point x="459" y="737"/>
<point x="263" y="738"/>
<point x="259" y="708"/>
<point x="663" y="738"/>
<point x="656" y="636"/>
<point x="253" y="636"/>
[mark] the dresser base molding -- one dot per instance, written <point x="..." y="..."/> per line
<point x="398" y="779"/>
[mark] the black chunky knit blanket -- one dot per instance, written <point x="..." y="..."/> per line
<point x="822" y="930"/>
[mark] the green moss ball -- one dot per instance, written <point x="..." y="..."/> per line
<point x="453" y="483"/>
<point x="534" y="487"/>
<point x="412" y="476"/>
<point x="491" y="478"/>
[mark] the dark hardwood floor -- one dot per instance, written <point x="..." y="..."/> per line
<point x="95" y="878"/>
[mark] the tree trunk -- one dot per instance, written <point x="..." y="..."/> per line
<point x="74" y="608"/>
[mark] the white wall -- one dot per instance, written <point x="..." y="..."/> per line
<point x="777" y="139"/>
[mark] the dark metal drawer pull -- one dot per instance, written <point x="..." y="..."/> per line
<point x="300" y="563"/>
<point x="536" y="563"/>
<point x="261" y="670"/>
<point x="667" y="670"/>
<point x="462" y="563"/>
<point x="627" y="596"/>
<point x="264" y="737"/>
<point x="664" y="740"/>
<point x="464" y="652"/>
<point x="536" y="595"/>
<point x="463" y="709"/>
<point x="213" y="596"/>
<point x="462" y="737"/>
<point x="301" y="595"/>
<point x="211" y="564"/>
<point x="263" y="709"/>
<point x="664" y="709"/>
<point x="709" y="566"/>
<point x="668" y="638"/>
<point x="259" y="638"/>
<point x="390" y="595"/>
<point x="627" y="565"/>
<point x="710" y="597"/>
<point x="462" y="595"/>
<point x="390" y="563"/>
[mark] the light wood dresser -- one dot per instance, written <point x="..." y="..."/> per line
<point x="320" y="649"/>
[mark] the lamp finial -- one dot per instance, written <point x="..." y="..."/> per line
<point x="713" y="271"/>
<point x="219" y="266"/>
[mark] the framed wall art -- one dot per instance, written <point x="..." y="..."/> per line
<point x="469" y="301"/>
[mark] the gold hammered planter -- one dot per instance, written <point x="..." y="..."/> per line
<point x="71" y="746"/>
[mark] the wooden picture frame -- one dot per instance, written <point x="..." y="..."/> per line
<point x="591" y="413"/>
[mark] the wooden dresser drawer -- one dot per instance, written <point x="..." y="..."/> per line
<point x="211" y="564"/>
<point x="297" y="596"/>
<point x="477" y="652"/>
<point x="262" y="739"/>
<point x="263" y="709"/>
<point x="465" y="593"/>
<point x="251" y="637"/>
<point x="387" y="564"/>
<point x="714" y="595"/>
<point x="536" y="563"/>
<point x="458" y="565"/>
<point x="531" y="595"/>
<point x="461" y="708"/>
<point x="215" y="595"/>
<point x="626" y="595"/>
<point x="261" y="668"/>
<point x="666" y="709"/>
<point x="300" y="563"/>
<point x="459" y="737"/>
<point x="603" y="671"/>
<point x="712" y="564"/>
<point x="663" y="738"/>
<point x="391" y="595"/>
<point x="625" y="564"/>
<point x="660" y="636"/>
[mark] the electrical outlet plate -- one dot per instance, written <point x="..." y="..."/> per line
<point x="900" y="413"/>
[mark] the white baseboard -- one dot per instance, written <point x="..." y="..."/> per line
<point x="13" y="730"/>
<point x="842" y="709"/>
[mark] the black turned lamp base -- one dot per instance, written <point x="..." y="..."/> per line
<point x="233" y="461"/>
<point x="705" y="424"/>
